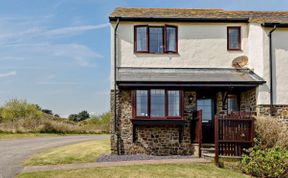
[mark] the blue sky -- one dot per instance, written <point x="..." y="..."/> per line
<point x="56" y="53"/>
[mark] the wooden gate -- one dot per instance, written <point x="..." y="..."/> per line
<point x="233" y="133"/>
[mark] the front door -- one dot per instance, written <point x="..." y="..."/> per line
<point x="207" y="107"/>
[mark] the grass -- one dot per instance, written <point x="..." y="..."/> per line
<point x="75" y="153"/>
<point x="142" y="171"/>
<point x="10" y="136"/>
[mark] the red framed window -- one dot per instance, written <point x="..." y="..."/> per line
<point x="155" y="39"/>
<point x="234" y="38"/>
<point x="157" y="104"/>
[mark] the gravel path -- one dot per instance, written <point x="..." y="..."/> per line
<point x="115" y="158"/>
<point x="14" y="152"/>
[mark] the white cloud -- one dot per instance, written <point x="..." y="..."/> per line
<point x="75" y="29"/>
<point x="8" y="74"/>
<point x="79" y="54"/>
<point x="57" y="83"/>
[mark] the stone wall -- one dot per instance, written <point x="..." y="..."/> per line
<point x="248" y="100"/>
<point x="161" y="141"/>
<point x="165" y="140"/>
<point x="150" y="140"/>
<point x="113" y="129"/>
<point x="279" y="111"/>
<point x="189" y="106"/>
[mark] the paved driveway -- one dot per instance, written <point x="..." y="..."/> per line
<point x="14" y="152"/>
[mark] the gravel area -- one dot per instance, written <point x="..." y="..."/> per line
<point x="114" y="158"/>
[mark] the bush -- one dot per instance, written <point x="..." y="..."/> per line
<point x="271" y="132"/>
<point x="270" y="162"/>
<point x="269" y="156"/>
<point x="18" y="109"/>
<point x="18" y="116"/>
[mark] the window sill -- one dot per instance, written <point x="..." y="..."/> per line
<point x="147" y="53"/>
<point x="158" y="122"/>
<point x="235" y="50"/>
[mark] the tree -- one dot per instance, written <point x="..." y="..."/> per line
<point x="83" y="115"/>
<point x="47" y="111"/>
<point x="15" y="109"/>
<point x="73" y="117"/>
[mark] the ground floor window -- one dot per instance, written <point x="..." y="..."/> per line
<point x="157" y="103"/>
<point x="232" y="103"/>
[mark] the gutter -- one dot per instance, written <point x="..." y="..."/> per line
<point x="271" y="68"/>
<point x="115" y="84"/>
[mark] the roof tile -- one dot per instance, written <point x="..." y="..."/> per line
<point x="252" y="16"/>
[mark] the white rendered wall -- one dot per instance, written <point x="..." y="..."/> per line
<point x="280" y="60"/>
<point x="258" y="60"/>
<point x="199" y="45"/>
<point x="258" y="42"/>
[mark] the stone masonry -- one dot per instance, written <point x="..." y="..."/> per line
<point x="160" y="140"/>
<point x="164" y="140"/>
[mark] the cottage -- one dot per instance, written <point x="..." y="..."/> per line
<point x="166" y="64"/>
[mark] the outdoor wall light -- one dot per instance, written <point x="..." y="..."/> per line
<point x="190" y="99"/>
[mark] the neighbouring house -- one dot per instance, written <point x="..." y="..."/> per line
<point x="168" y="63"/>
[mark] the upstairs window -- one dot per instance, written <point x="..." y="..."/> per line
<point x="155" y="39"/>
<point x="234" y="38"/>
<point x="171" y="41"/>
<point x="141" y="39"/>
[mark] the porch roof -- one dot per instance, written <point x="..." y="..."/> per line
<point x="129" y="76"/>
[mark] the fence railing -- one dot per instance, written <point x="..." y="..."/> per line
<point x="233" y="133"/>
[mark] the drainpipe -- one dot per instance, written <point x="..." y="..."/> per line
<point x="115" y="84"/>
<point x="271" y="68"/>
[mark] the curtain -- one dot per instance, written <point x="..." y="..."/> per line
<point x="141" y="102"/>
<point x="234" y="38"/>
<point x="141" y="36"/>
<point x="156" y="39"/>
<point x="171" y="39"/>
<point x="157" y="103"/>
<point x="173" y="103"/>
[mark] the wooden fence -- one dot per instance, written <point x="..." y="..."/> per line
<point x="233" y="133"/>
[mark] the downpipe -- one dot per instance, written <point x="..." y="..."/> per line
<point x="271" y="69"/>
<point x="115" y="86"/>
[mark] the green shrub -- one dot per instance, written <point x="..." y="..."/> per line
<point x="18" y="116"/>
<point x="270" y="162"/>
<point x="269" y="156"/>
<point x="16" y="109"/>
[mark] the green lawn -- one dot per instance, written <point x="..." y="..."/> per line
<point x="9" y="136"/>
<point x="142" y="171"/>
<point x="75" y="153"/>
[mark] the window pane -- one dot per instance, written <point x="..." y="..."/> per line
<point x="233" y="38"/>
<point x="173" y="103"/>
<point x="171" y="39"/>
<point x="156" y="40"/>
<point x="141" y="37"/>
<point x="206" y="106"/>
<point x="141" y="102"/>
<point x="157" y="103"/>
<point x="232" y="103"/>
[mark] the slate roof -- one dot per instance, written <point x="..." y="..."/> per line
<point x="188" y="75"/>
<point x="200" y="14"/>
